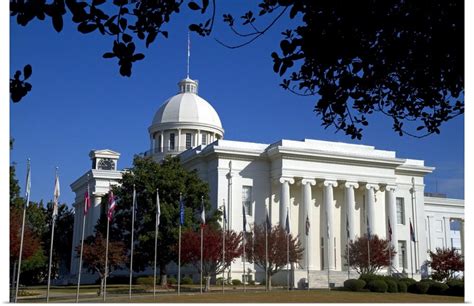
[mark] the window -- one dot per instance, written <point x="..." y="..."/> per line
<point x="247" y="199"/>
<point x="400" y="210"/>
<point x="204" y="139"/>
<point x="188" y="140"/>
<point x="172" y="141"/>
<point x="402" y="254"/>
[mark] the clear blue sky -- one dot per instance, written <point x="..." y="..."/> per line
<point x="80" y="102"/>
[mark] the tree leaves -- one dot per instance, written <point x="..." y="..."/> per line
<point x="19" y="87"/>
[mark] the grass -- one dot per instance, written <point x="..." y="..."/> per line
<point x="251" y="296"/>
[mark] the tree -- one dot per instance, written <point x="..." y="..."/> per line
<point x="380" y="251"/>
<point x="445" y="263"/>
<point x="277" y="250"/>
<point x="93" y="256"/>
<point x="171" y="179"/>
<point x="403" y="60"/>
<point x="212" y="250"/>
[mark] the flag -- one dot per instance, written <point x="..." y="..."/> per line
<point x="56" y="196"/>
<point x="87" y="201"/>
<point x="158" y="209"/>
<point x="134" y="204"/>
<point x="28" y="183"/>
<point x="348" y="233"/>
<point x="244" y="218"/>
<point x="389" y="231"/>
<point x="287" y="224"/>
<point x="224" y="215"/>
<point x="203" y="213"/>
<point x="327" y="225"/>
<point x="112" y="205"/>
<point x="369" y="236"/>
<point x="412" y="233"/>
<point x="307" y="225"/>
<point x="181" y="211"/>
<point x="268" y="222"/>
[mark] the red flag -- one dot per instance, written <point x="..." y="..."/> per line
<point x="389" y="231"/>
<point x="112" y="205"/>
<point x="412" y="233"/>
<point x="87" y="201"/>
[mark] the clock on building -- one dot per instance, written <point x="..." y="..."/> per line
<point x="106" y="164"/>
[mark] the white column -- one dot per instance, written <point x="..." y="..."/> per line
<point x="162" y="140"/>
<point x="329" y="206"/>
<point x="284" y="198"/>
<point x="370" y="205"/>
<point x="198" y="139"/>
<point x="306" y="211"/>
<point x="350" y="207"/>
<point x="392" y="216"/>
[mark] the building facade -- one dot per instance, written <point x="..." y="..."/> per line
<point x="344" y="190"/>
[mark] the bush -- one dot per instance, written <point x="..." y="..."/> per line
<point x="402" y="287"/>
<point x="392" y="286"/>
<point x="236" y="282"/>
<point x="187" y="281"/>
<point x="420" y="287"/>
<point x="172" y="280"/>
<point x="377" y="285"/>
<point x="408" y="280"/>
<point x="456" y="288"/>
<point x="145" y="281"/>
<point x="370" y="277"/>
<point x="437" y="288"/>
<point x="354" y="284"/>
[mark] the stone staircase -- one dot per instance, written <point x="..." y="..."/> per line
<point x="319" y="279"/>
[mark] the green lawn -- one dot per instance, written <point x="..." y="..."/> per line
<point x="67" y="294"/>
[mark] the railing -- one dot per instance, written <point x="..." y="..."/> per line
<point x="171" y="150"/>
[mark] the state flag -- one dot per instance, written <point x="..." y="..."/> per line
<point x="389" y="231"/>
<point x="28" y="183"/>
<point x="158" y="209"/>
<point x="56" y="196"/>
<point x="87" y="201"/>
<point x="181" y="211"/>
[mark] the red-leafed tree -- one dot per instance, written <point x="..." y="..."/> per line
<point x="212" y="250"/>
<point x="445" y="263"/>
<point x="31" y="243"/>
<point x="93" y="255"/>
<point x="380" y="251"/>
<point x="277" y="250"/>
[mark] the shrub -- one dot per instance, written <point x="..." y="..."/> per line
<point x="456" y="288"/>
<point x="187" y="281"/>
<point x="408" y="280"/>
<point x="236" y="282"/>
<point x="402" y="287"/>
<point x="377" y="285"/>
<point x="437" y="288"/>
<point x="145" y="281"/>
<point x="420" y="287"/>
<point x="392" y="286"/>
<point x="354" y="284"/>
<point x="370" y="277"/>
<point x="172" y="281"/>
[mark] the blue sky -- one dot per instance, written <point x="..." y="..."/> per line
<point x="80" y="102"/>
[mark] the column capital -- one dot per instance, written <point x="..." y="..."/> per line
<point x="351" y="184"/>
<point x="305" y="181"/>
<point x="369" y="186"/>
<point x="286" y="179"/>
<point x="327" y="183"/>
<point x="388" y="188"/>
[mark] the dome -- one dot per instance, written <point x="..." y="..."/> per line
<point x="187" y="108"/>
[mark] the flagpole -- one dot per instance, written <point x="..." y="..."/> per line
<point x="411" y="251"/>
<point x="82" y="243"/>
<point x="28" y="184"/>
<point x="223" y="245"/>
<point x="131" y="243"/>
<point x="266" y="256"/>
<point x="288" y="260"/>
<point x="348" y="260"/>
<point x="52" y="238"/>
<point x="179" y="245"/>
<point x="201" y="254"/>
<point x="156" y="242"/>
<point x="106" y="260"/>
<point x="307" y="261"/>
<point x="329" y="282"/>
<point x="245" y="242"/>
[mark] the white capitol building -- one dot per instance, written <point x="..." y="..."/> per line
<point x="306" y="178"/>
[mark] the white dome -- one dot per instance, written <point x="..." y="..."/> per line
<point x="187" y="108"/>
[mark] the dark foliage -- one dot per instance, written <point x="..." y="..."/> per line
<point x="354" y="284"/>
<point x="402" y="287"/>
<point x="456" y="287"/>
<point x="377" y="285"/>
<point x="18" y="86"/>
<point x="419" y="287"/>
<point x="437" y="288"/>
<point x="379" y="254"/>
<point x="392" y="286"/>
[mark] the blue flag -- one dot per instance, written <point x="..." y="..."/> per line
<point x="181" y="211"/>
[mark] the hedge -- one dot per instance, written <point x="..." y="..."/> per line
<point x="437" y="288"/>
<point x="408" y="280"/>
<point x="236" y="282"/>
<point x="172" y="280"/>
<point x="354" y="284"/>
<point x="392" y="286"/>
<point x="402" y="287"/>
<point x="187" y="281"/>
<point x="377" y="285"/>
<point x="420" y="287"/>
<point x="145" y="281"/>
<point x="456" y="288"/>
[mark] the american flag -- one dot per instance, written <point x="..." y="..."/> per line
<point x="87" y="201"/>
<point x="112" y="205"/>
<point x="389" y="231"/>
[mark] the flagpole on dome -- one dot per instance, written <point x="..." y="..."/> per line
<point x="27" y="196"/>
<point x="55" y="213"/>
<point x="87" y="203"/>
<point x="157" y="224"/>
